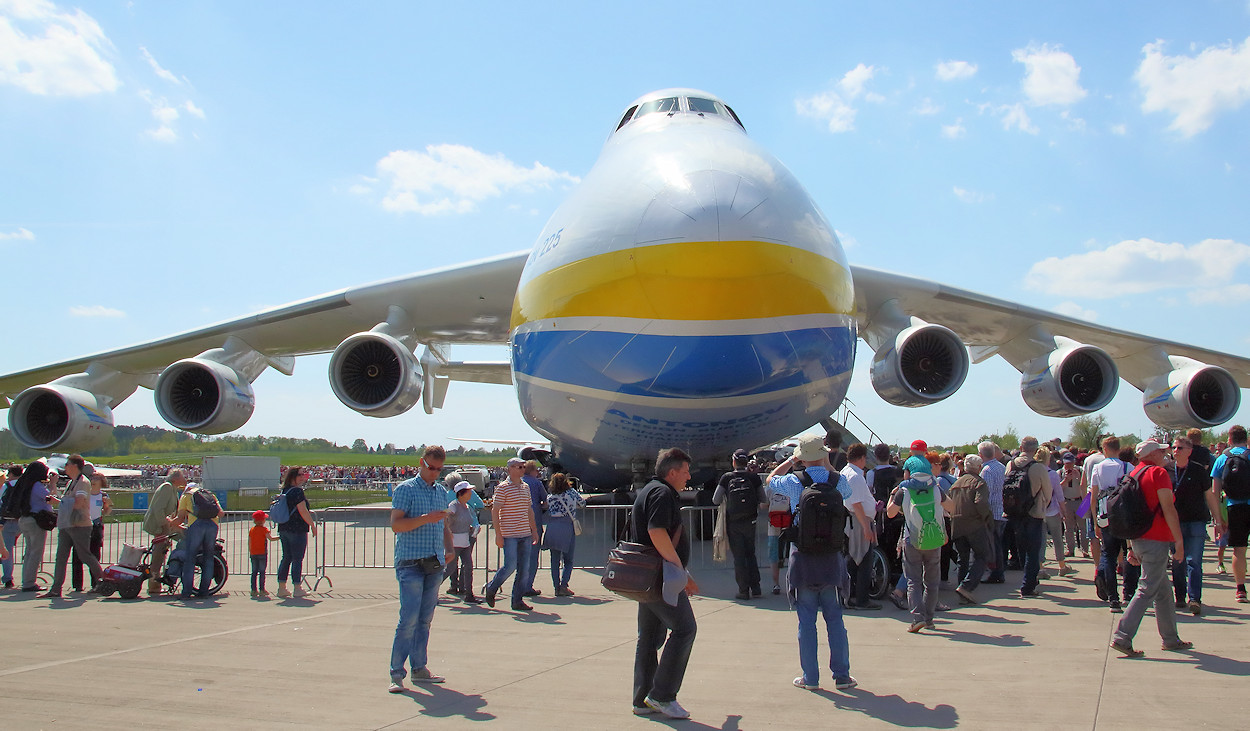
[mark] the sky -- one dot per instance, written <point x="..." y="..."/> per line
<point x="164" y="166"/>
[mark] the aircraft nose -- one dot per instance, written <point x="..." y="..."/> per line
<point x="708" y="205"/>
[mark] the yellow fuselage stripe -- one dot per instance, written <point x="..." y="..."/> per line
<point x="705" y="280"/>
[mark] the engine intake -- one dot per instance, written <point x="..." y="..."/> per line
<point x="60" y="417"/>
<point x="374" y="374"/>
<point x="922" y="365"/>
<point x="204" y="397"/>
<point x="1070" y="381"/>
<point x="1195" y="395"/>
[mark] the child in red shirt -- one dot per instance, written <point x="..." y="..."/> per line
<point x="258" y="546"/>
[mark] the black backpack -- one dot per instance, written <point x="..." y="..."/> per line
<point x="741" y="499"/>
<point x="884" y="482"/>
<point x="1128" y="514"/>
<point x="1236" y="476"/>
<point x="1018" y="492"/>
<point x="204" y="505"/>
<point x="11" y="505"/>
<point x="820" y="523"/>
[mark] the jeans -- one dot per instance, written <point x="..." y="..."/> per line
<point x="1029" y="537"/>
<point x="294" y="544"/>
<point x="33" y="558"/>
<point x="741" y="536"/>
<point x="77" y="541"/>
<point x="1154" y="590"/>
<point x="201" y="541"/>
<point x="662" y="679"/>
<point x="96" y="546"/>
<point x="1187" y="574"/>
<point x="973" y="551"/>
<point x="259" y="563"/>
<point x="460" y="569"/>
<point x="10" y="532"/>
<point x="418" y="595"/>
<point x="1074" y="527"/>
<point x="1111" y="547"/>
<point x="863" y="578"/>
<point x="516" y="552"/>
<point x="561" y="566"/>
<point x="825" y="599"/>
<point x="529" y="566"/>
<point x="921" y="567"/>
<point x="999" y="551"/>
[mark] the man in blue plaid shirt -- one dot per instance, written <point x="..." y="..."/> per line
<point x="417" y="510"/>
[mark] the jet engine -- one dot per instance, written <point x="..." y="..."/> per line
<point x="922" y="365"/>
<point x="1195" y="394"/>
<point x="204" y="396"/>
<point x="1069" y="381"/>
<point x="374" y="374"/>
<point x="60" y="417"/>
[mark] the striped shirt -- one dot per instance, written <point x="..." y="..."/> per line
<point x="513" y="501"/>
<point x="994" y="474"/>
<point x="416" y="498"/>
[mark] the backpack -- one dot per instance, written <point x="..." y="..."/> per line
<point x="741" y="499"/>
<point x="1018" y="492"/>
<point x="1128" y="514"/>
<point x="280" y="509"/>
<point x="820" y="522"/>
<point x="204" y="505"/>
<point x="1236" y="476"/>
<point x="779" y="513"/>
<point x="10" y="505"/>
<point x="923" y="511"/>
<point x="883" y="483"/>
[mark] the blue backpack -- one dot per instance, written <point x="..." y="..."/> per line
<point x="280" y="509"/>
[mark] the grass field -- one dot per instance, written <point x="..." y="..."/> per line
<point x="342" y="459"/>
<point x="316" y="498"/>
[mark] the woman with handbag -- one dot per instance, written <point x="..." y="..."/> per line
<point x="563" y="527"/>
<point x="32" y="490"/>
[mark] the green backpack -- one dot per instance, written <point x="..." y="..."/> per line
<point x="923" y="510"/>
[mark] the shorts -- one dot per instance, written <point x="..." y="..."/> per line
<point x="1238" y="525"/>
<point x="778" y="548"/>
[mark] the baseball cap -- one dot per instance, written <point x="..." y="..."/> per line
<point x="1069" y="457"/>
<point x="515" y="461"/>
<point x="259" y="515"/>
<point x="462" y="486"/>
<point x="1148" y="447"/>
<point x="741" y="455"/>
<point x="919" y="446"/>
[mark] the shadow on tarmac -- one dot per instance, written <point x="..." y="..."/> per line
<point x="441" y="702"/>
<point x="893" y="709"/>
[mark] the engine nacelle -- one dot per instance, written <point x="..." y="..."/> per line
<point x="60" y="417"/>
<point x="1197" y="395"/>
<point x="374" y="374"/>
<point x="923" y="365"/>
<point x="1070" y="381"/>
<point x="204" y="396"/>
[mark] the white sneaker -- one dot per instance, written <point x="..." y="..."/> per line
<point x="397" y="686"/>
<point x="801" y="682"/>
<point x="299" y="591"/>
<point x="845" y="683"/>
<point x="643" y="710"/>
<point x="672" y="709"/>
<point x="423" y="675"/>
<point x="283" y="591"/>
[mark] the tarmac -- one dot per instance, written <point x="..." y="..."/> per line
<point x="321" y="662"/>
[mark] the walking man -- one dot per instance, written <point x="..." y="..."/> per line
<point x="1231" y="481"/>
<point x="744" y="491"/>
<point x="1195" y="504"/>
<point x="418" y="507"/>
<point x="515" y="532"/>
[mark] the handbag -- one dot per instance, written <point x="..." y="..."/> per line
<point x="634" y="571"/>
<point x="577" y="525"/>
<point x="45" y="519"/>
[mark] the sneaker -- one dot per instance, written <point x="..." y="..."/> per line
<point x="1066" y="570"/>
<point x="1222" y="569"/>
<point x="777" y="587"/>
<point x="643" y="710"/>
<point x="470" y="599"/>
<point x="1181" y="605"/>
<point x="755" y="591"/>
<point x="521" y="607"/>
<point x="300" y="591"/>
<point x="490" y="596"/>
<point x="742" y="595"/>
<point x="1195" y="608"/>
<point x="942" y="607"/>
<point x="1030" y="594"/>
<point x="396" y="686"/>
<point x="8" y="584"/>
<point x="672" y="709"/>
<point x="423" y="675"/>
<point x="845" y="683"/>
<point x="965" y="596"/>
<point x="930" y="625"/>
<point x="916" y="626"/>
<point x="284" y="592"/>
<point x="1178" y="646"/>
<point x="57" y="595"/>
<point x="1241" y="596"/>
<point x="533" y="593"/>
<point x="1115" y="607"/>
<point x="801" y="682"/>
<point x="564" y="591"/>
<point x="1125" y="649"/>
<point x="1100" y="586"/>
<point x="255" y="593"/>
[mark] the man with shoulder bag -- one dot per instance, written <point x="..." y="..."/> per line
<point x="74" y="528"/>
<point x="160" y="520"/>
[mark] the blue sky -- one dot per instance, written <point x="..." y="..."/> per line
<point x="168" y="165"/>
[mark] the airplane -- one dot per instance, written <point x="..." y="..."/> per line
<point x="687" y="293"/>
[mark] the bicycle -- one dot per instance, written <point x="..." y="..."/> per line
<point x="128" y="580"/>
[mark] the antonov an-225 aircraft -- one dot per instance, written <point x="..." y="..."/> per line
<point x="627" y="327"/>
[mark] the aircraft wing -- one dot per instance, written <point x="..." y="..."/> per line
<point x="1035" y="341"/>
<point x="468" y="303"/>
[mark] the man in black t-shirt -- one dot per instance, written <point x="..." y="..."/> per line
<point x="744" y="491"/>
<point x="656" y="522"/>
<point x="1195" y="504"/>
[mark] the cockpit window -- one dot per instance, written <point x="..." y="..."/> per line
<point x="702" y="106"/>
<point x="628" y="114"/>
<point x="667" y="105"/>
<point x="735" y="116"/>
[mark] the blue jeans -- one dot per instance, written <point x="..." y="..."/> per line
<point x="824" y="599"/>
<point x="529" y="566"/>
<point x="294" y="544"/>
<point x="1187" y="574"/>
<point x="418" y="595"/>
<point x="201" y="540"/>
<point x="259" y="563"/>
<point x="1029" y="537"/>
<point x="660" y="677"/>
<point x="516" y="552"/>
<point x="560" y="578"/>
<point x="10" y="533"/>
<point x="1000" y="550"/>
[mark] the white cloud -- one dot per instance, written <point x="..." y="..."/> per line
<point x="1072" y="309"/>
<point x="1051" y="76"/>
<point x="1144" y="266"/>
<point x="1194" y="89"/>
<point x="192" y="109"/>
<point x="22" y="234"/>
<point x="46" y="51"/>
<point x="454" y="178"/>
<point x="164" y="73"/>
<point x="835" y="107"/>
<point x="928" y="107"/>
<point x="954" y="70"/>
<point x="1227" y="295"/>
<point x="95" y="311"/>
<point x="1011" y="116"/>
<point x="1119" y="129"/>
<point x="954" y="131"/>
<point x="970" y="196"/>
